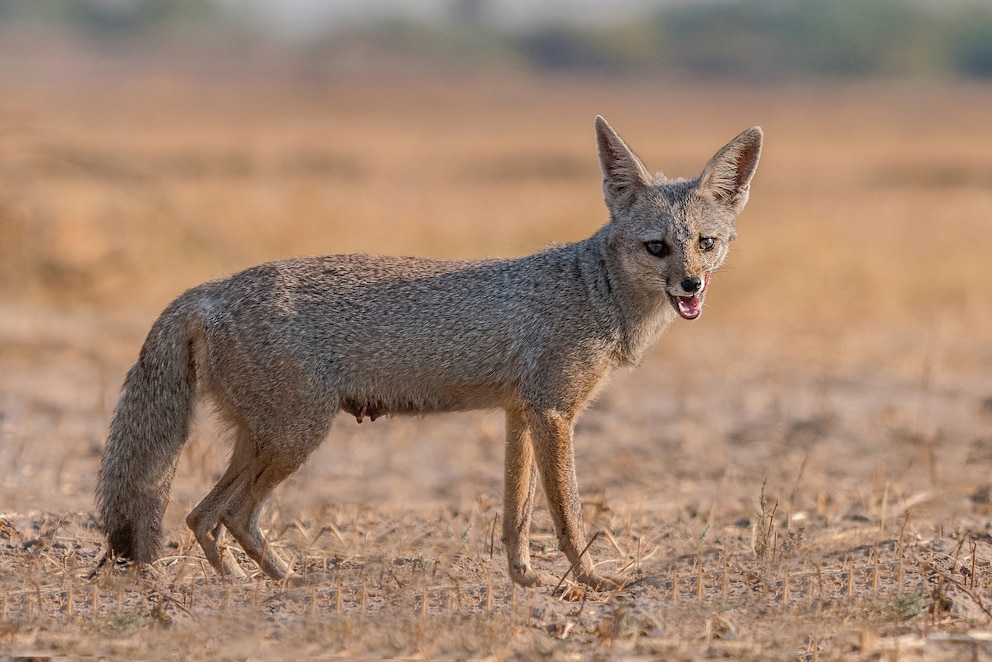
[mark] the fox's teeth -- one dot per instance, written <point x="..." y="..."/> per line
<point x="688" y="307"/>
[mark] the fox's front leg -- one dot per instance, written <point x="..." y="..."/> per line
<point x="518" y="501"/>
<point x="552" y="438"/>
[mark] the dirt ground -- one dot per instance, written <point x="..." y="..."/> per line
<point x="803" y="473"/>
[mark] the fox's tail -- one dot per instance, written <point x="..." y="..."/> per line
<point x="148" y="431"/>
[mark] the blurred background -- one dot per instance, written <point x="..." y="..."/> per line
<point x="149" y="145"/>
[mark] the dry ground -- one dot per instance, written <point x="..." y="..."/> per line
<point x="803" y="473"/>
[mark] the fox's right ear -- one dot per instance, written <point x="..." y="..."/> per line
<point x="623" y="172"/>
<point x="727" y="177"/>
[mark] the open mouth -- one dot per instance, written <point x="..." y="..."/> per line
<point x="691" y="307"/>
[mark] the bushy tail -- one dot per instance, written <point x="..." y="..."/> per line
<point x="150" y="427"/>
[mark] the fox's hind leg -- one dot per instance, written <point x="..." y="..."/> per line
<point x="242" y="514"/>
<point x="269" y="465"/>
<point x="205" y="519"/>
<point x="236" y="501"/>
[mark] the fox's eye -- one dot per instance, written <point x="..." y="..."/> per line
<point x="657" y="248"/>
<point x="706" y="244"/>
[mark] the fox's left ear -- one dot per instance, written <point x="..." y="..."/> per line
<point x="727" y="177"/>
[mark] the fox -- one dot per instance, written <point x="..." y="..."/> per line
<point x="281" y="348"/>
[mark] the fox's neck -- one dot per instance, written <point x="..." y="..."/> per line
<point x="637" y="320"/>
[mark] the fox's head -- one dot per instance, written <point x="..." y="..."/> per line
<point x="669" y="235"/>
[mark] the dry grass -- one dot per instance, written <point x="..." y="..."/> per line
<point x="803" y="473"/>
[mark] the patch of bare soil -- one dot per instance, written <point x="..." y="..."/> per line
<point x="771" y="516"/>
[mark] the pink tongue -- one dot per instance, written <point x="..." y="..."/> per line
<point x="689" y="307"/>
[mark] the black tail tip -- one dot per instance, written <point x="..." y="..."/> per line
<point x="123" y="544"/>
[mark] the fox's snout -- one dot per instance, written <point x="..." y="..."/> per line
<point x="688" y="285"/>
<point x="691" y="285"/>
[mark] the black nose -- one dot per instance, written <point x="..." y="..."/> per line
<point x="692" y="285"/>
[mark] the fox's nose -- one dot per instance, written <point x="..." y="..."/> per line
<point x="692" y="285"/>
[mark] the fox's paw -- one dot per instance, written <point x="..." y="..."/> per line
<point x="599" y="582"/>
<point x="528" y="577"/>
<point x="229" y="566"/>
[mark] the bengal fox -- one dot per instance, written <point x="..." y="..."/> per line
<point x="281" y="348"/>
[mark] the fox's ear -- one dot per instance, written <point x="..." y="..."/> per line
<point x="727" y="177"/>
<point x="623" y="172"/>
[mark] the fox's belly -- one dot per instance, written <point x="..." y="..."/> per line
<point x="464" y="397"/>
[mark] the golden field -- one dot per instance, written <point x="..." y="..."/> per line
<point x="803" y="473"/>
